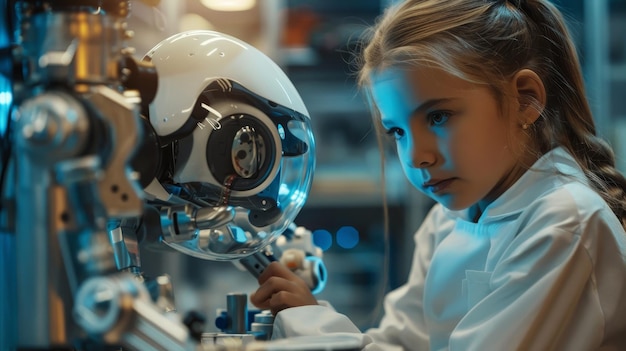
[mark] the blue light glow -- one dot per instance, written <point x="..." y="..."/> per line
<point x="347" y="237"/>
<point x="6" y="97"/>
<point x="322" y="239"/>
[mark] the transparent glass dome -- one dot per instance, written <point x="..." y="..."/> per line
<point x="241" y="141"/>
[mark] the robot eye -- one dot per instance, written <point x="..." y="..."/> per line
<point x="248" y="152"/>
<point x="242" y="147"/>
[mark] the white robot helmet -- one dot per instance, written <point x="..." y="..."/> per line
<point x="240" y="137"/>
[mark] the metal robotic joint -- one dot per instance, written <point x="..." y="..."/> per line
<point x="118" y="310"/>
<point x="52" y="127"/>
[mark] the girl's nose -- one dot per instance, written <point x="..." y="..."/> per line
<point x="421" y="153"/>
<point x="422" y="159"/>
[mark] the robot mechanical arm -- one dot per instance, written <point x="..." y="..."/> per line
<point x="215" y="162"/>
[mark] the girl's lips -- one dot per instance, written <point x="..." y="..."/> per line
<point x="438" y="186"/>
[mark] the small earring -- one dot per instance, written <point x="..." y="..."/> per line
<point x="525" y="126"/>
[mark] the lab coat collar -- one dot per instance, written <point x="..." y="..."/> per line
<point x="555" y="168"/>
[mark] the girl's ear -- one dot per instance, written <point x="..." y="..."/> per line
<point x="530" y="93"/>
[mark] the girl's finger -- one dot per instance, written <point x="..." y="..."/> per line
<point x="276" y="269"/>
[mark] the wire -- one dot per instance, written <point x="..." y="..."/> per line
<point x="225" y="195"/>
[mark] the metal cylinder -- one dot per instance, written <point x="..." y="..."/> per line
<point x="74" y="48"/>
<point x="237" y="310"/>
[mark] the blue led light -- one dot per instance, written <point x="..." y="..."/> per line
<point x="6" y="97"/>
<point x="322" y="239"/>
<point x="347" y="237"/>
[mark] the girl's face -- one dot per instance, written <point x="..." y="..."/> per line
<point x="452" y="139"/>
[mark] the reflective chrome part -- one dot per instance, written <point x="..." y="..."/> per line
<point x="118" y="309"/>
<point x="165" y="294"/>
<point x="183" y="223"/>
<point x="236" y="169"/>
<point x="125" y="248"/>
<point x="73" y="47"/>
<point x="75" y="129"/>
<point x="248" y="152"/>
<point x="51" y="127"/>
<point x="118" y="187"/>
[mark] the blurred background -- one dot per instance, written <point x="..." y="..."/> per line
<point x="313" y="41"/>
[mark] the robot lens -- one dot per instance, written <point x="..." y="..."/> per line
<point x="241" y="148"/>
<point x="248" y="152"/>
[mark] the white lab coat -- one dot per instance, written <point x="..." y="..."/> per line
<point x="543" y="269"/>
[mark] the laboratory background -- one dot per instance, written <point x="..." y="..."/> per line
<point x="313" y="41"/>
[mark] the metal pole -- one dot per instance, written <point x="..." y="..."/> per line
<point x="596" y="13"/>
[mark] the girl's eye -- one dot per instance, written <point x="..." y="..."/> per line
<point x="395" y="132"/>
<point x="438" y="118"/>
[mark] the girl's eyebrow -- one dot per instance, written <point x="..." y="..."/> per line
<point x="431" y="103"/>
<point x="424" y="107"/>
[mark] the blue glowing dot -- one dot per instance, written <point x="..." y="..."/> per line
<point x="347" y="237"/>
<point x="281" y="131"/>
<point x="322" y="239"/>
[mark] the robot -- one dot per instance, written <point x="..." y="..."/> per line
<point x="204" y="146"/>
<point x="233" y="144"/>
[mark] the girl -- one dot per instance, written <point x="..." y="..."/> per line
<point x="525" y="248"/>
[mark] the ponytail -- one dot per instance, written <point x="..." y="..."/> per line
<point x="488" y="42"/>
<point x="568" y="115"/>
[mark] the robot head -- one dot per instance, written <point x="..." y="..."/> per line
<point x="239" y="136"/>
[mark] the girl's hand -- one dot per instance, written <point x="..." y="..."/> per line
<point x="280" y="288"/>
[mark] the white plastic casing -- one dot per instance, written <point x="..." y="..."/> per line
<point x="201" y="64"/>
<point x="188" y="61"/>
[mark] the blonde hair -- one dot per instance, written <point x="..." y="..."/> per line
<point x="487" y="42"/>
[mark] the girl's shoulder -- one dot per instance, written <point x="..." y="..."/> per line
<point x="570" y="198"/>
<point x="573" y="207"/>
